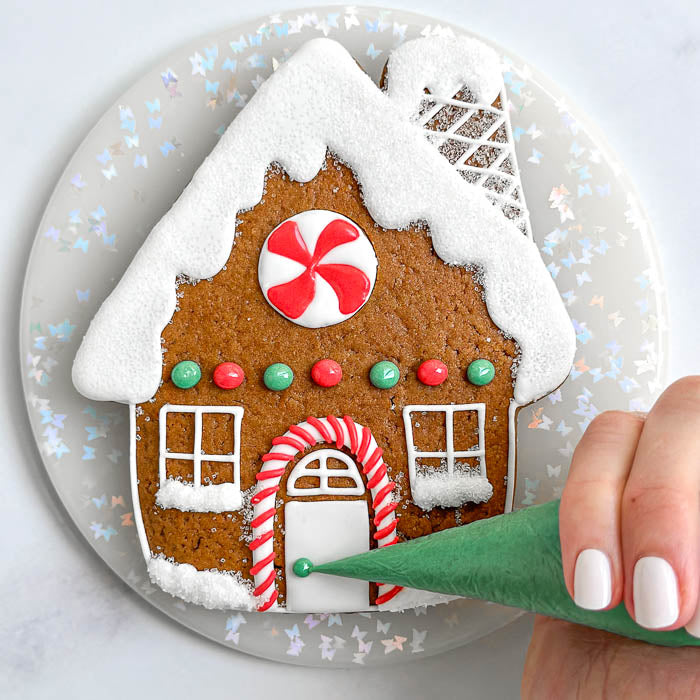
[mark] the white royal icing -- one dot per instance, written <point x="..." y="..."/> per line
<point x="274" y="269"/>
<point x="454" y="483"/>
<point x="321" y="100"/>
<point x="463" y="127"/>
<point x="324" y="475"/>
<point x="340" y="529"/>
<point x="194" y="495"/>
<point x="213" y="589"/>
<point x="462" y="61"/>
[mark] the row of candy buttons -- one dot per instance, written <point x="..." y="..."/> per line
<point x="327" y="373"/>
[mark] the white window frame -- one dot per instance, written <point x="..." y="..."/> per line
<point x="196" y="456"/>
<point x="449" y="454"/>
<point x="323" y="473"/>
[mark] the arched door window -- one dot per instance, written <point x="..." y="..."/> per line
<point x="315" y="466"/>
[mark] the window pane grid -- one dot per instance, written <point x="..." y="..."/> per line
<point x="197" y="456"/>
<point x="449" y="454"/>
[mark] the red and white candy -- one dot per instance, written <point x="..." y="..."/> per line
<point x="317" y="268"/>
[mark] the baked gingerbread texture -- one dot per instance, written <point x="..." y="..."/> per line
<point x="325" y="342"/>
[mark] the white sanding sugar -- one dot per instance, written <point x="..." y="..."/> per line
<point x="215" y="590"/>
<point x="213" y="498"/>
<point x="320" y="100"/>
<point x="462" y="60"/>
<point x="409" y="598"/>
<point x="438" y="488"/>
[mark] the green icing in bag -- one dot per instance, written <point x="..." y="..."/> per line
<point x="512" y="559"/>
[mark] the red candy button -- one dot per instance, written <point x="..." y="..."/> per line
<point x="326" y="373"/>
<point x="432" y="372"/>
<point x="228" y="375"/>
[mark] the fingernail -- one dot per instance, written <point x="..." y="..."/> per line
<point x="592" y="580"/>
<point x="693" y="627"/>
<point x="655" y="593"/>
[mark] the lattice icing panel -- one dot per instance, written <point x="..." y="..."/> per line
<point x="477" y="140"/>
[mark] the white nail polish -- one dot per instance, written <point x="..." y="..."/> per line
<point x="592" y="580"/>
<point x="693" y="626"/>
<point x="655" y="593"/>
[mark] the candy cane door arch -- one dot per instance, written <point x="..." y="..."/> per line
<point x="325" y="530"/>
<point x="313" y="524"/>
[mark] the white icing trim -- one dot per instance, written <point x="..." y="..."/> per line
<point x="409" y="598"/>
<point x="325" y="531"/>
<point x="462" y="61"/>
<point x="493" y="170"/>
<point x="212" y="498"/>
<point x="196" y="496"/>
<point x="474" y="106"/>
<point x="319" y="100"/>
<point x="322" y="473"/>
<point x="438" y="64"/>
<point x="512" y="454"/>
<point x="212" y="589"/>
<point x="134" y="479"/>
<point x="449" y="488"/>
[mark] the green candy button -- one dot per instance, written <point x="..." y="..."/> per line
<point x="384" y="375"/>
<point x="278" y="377"/>
<point x="481" y="372"/>
<point x="186" y="374"/>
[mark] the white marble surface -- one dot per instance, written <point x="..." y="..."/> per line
<point x="68" y="627"/>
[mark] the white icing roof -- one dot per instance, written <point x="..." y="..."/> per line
<point x="318" y="100"/>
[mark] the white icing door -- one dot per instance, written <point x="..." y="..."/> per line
<point x="324" y="531"/>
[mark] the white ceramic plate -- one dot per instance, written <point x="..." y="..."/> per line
<point x="586" y="219"/>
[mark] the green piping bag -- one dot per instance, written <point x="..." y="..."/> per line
<point x="512" y="559"/>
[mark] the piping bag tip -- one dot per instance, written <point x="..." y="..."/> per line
<point x="512" y="559"/>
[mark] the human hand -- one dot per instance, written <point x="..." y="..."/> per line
<point x="630" y="531"/>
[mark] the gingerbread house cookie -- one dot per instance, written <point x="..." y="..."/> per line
<point x="325" y="341"/>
